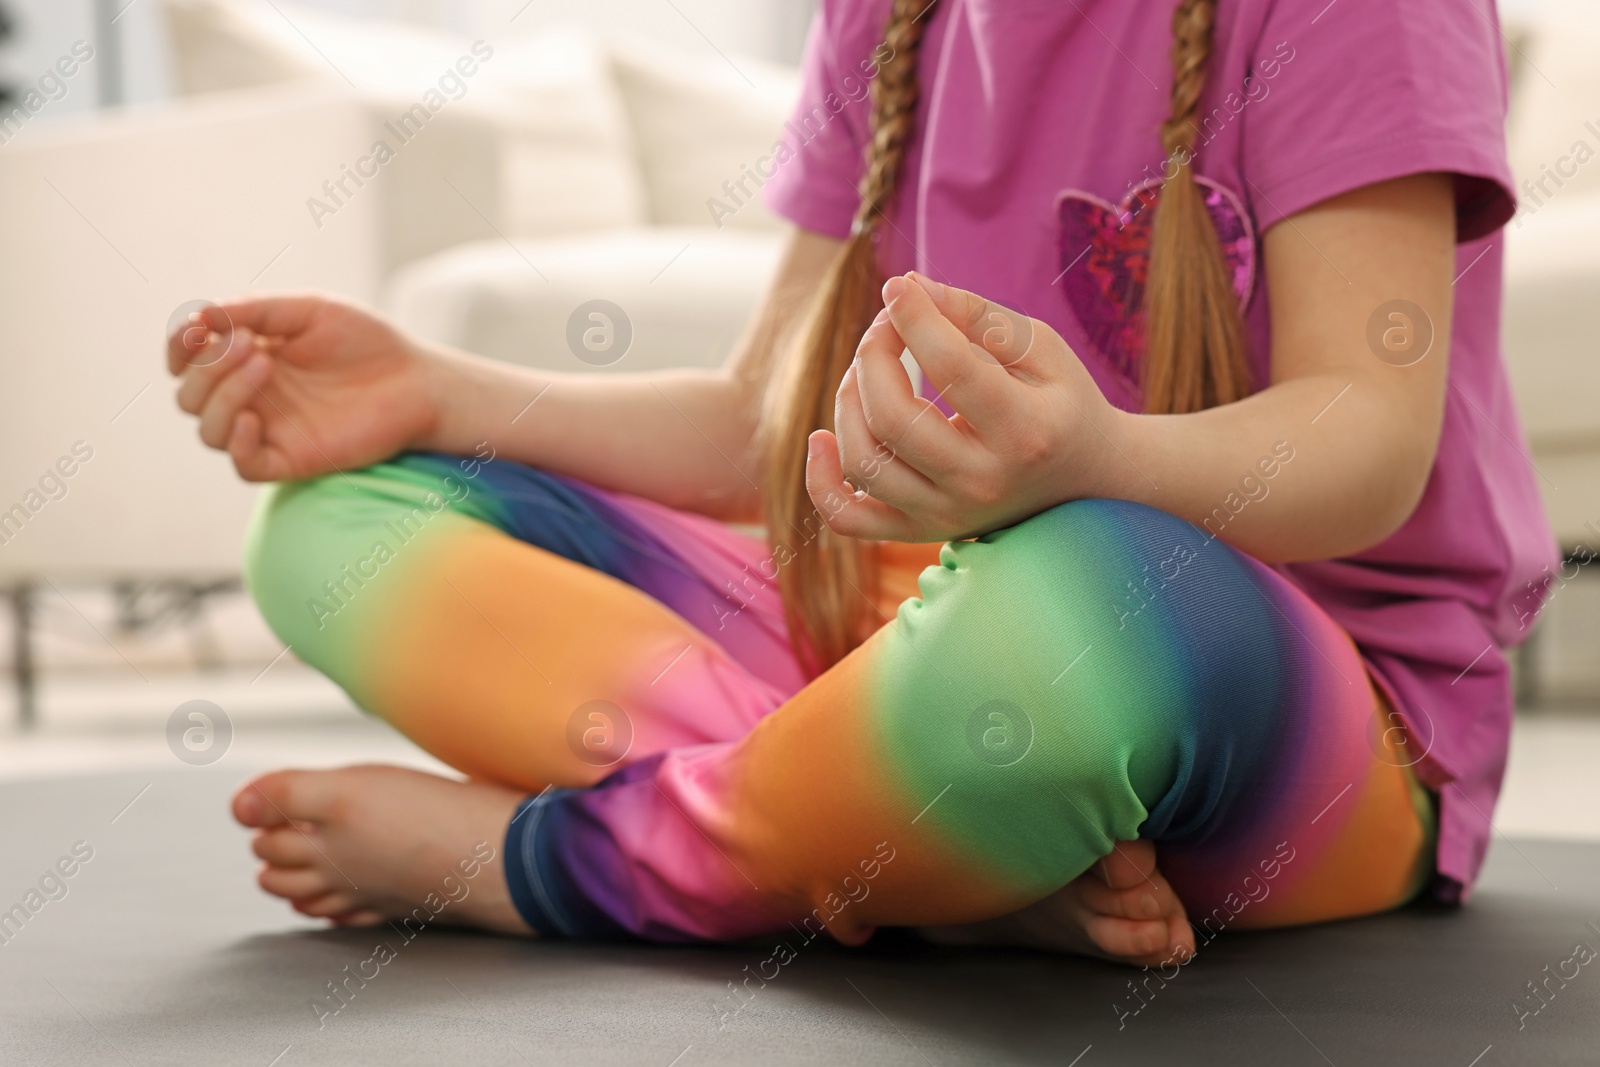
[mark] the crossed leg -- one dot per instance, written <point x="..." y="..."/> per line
<point x="534" y="633"/>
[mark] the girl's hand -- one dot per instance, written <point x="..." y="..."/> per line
<point x="1031" y="428"/>
<point x="296" y="386"/>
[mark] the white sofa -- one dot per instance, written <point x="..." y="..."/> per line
<point x="1552" y="314"/>
<point x="562" y="171"/>
<point x="1552" y="318"/>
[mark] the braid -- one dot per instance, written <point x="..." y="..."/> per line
<point x="828" y="581"/>
<point x="1192" y="25"/>
<point x="1195" y="354"/>
<point x="1195" y="350"/>
<point x="894" y="110"/>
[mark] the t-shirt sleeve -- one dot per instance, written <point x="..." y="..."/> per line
<point x="1370" y="90"/>
<point x="814" y="184"/>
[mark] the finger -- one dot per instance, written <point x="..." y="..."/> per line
<point x="244" y="442"/>
<point x="1009" y="336"/>
<point x="964" y="374"/>
<point x="914" y="428"/>
<point x="1128" y="864"/>
<point x="252" y="457"/>
<point x="868" y="463"/>
<point x="199" y="378"/>
<point x="230" y="395"/>
<point x="273" y="316"/>
<point x="847" y="512"/>
<point x="195" y="343"/>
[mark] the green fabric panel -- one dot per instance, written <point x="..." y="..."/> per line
<point x="1037" y="766"/>
<point x="327" y="559"/>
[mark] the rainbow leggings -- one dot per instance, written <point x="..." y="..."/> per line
<point x="1101" y="671"/>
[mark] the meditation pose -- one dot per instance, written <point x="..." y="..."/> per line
<point x="1107" y="533"/>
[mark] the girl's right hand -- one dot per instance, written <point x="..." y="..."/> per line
<point x="295" y="386"/>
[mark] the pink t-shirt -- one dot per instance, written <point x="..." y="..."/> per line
<point x="1037" y="118"/>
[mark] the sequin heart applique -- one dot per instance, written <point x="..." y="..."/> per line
<point x="1105" y="259"/>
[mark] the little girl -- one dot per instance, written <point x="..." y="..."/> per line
<point x="1164" y="591"/>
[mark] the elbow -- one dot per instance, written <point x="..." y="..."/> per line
<point x="1397" y="490"/>
<point x="1403" y="498"/>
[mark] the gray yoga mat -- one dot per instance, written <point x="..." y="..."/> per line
<point x="163" y="951"/>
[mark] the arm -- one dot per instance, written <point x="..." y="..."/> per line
<point x="1033" y="430"/>
<point x="297" y="386"/>
<point x="684" y="438"/>
<point x="1363" y="431"/>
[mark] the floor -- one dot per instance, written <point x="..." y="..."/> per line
<point x="161" y="950"/>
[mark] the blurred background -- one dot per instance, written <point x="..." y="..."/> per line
<point x="155" y="152"/>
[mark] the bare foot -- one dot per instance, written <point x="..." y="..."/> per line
<point x="359" y="845"/>
<point x="1121" y="909"/>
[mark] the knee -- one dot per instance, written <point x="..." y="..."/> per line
<point x="318" y="547"/>
<point x="1015" y="687"/>
<point x="286" y="539"/>
<point x="272" y="526"/>
<point x="1100" y="531"/>
<point x="1040" y="608"/>
<point x="1032" y="790"/>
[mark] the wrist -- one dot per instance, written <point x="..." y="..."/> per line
<point x="443" y="380"/>
<point x="1117" y="475"/>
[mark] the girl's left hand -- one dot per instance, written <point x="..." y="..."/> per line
<point x="1031" y="428"/>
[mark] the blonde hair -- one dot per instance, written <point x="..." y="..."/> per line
<point x="1194" y="355"/>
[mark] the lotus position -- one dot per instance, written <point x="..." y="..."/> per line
<point x="1106" y="535"/>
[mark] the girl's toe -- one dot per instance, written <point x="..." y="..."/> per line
<point x="284" y="846"/>
<point x="284" y="797"/>
<point x="358" y="917"/>
<point x="295" y="883"/>
<point x="326" y="906"/>
<point x="1139" y="902"/>
<point x="1128" y="939"/>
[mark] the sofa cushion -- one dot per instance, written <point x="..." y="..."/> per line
<point x="569" y="162"/>
<point x="1555" y="114"/>
<point x="218" y="46"/>
<point x="687" y="293"/>
<point x="235" y="44"/>
<point x="1551" y="320"/>
<point x="699" y="122"/>
<point x="550" y="102"/>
